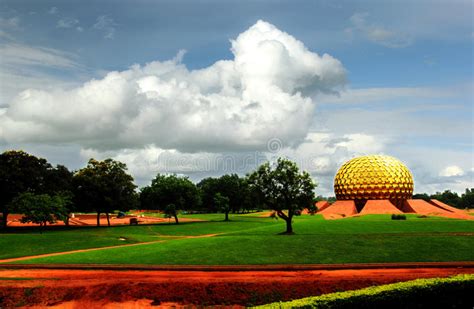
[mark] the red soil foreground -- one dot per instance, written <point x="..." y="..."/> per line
<point x="79" y="288"/>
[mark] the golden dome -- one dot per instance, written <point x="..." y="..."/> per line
<point x="373" y="177"/>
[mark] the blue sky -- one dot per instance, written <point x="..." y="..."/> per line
<point x="406" y="89"/>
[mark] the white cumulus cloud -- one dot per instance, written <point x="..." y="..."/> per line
<point x="452" y="170"/>
<point x="240" y="104"/>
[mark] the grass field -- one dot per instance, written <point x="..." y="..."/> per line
<point x="248" y="239"/>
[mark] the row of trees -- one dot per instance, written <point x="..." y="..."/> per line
<point x="43" y="193"/>
<point x="466" y="200"/>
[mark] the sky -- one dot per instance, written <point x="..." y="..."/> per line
<point x="204" y="88"/>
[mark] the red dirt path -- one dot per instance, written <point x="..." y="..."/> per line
<point x="133" y="289"/>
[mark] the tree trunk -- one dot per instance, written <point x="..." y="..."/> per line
<point x="176" y="218"/>
<point x="98" y="218"/>
<point x="66" y="222"/>
<point x="289" y="227"/>
<point x="288" y="218"/>
<point x="226" y="216"/>
<point x="108" y="219"/>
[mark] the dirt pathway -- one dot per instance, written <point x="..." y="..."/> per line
<point x="103" y="248"/>
<point x="104" y="288"/>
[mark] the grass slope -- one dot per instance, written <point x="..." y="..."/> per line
<point x="253" y="240"/>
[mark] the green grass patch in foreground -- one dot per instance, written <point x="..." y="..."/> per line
<point x="371" y="239"/>
<point x="28" y="242"/>
<point x="453" y="292"/>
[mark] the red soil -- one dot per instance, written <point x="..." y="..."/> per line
<point x="88" y="220"/>
<point x="321" y="205"/>
<point x="379" y="207"/>
<point x="424" y="208"/>
<point x="339" y="209"/>
<point x="447" y="207"/>
<point x="132" y="288"/>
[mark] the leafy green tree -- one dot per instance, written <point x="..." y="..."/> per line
<point x="41" y="208"/>
<point x="312" y="209"/>
<point x="235" y="188"/>
<point x="166" y="190"/>
<point x="103" y="187"/>
<point x="284" y="188"/>
<point x="421" y="196"/>
<point x="467" y="199"/>
<point x="208" y="187"/>
<point x="222" y="203"/>
<point x="172" y="212"/>
<point x="448" y="197"/>
<point x="20" y="172"/>
<point x="59" y="180"/>
<point x="330" y="199"/>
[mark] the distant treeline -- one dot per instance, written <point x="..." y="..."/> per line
<point x="466" y="200"/>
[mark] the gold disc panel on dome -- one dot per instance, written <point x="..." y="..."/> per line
<point x="373" y="177"/>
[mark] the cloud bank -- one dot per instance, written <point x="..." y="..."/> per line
<point x="240" y="104"/>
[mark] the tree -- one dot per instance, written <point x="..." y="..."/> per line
<point x="41" y="208"/>
<point x="448" y="197"/>
<point x="231" y="186"/>
<point x="421" y="196"/>
<point x="59" y="180"/>
<point x="20" y="172"/>
<point x="104" y="186"/>
<point x="467" y="199"/>
<point x="171" y="211"/>
<point x="208" y="187"/>
<point x="283" y="188"/>
<point x="222" y="203"/>
<point x="166" y="190"/>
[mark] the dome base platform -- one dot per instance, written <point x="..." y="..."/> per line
<point x="347" y="208"/>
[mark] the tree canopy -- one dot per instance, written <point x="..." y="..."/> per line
<point x="20" y="172"/>
<point x="283" y="188"/>
<point x="166" y="190"/>
<point x="233" y="187"/>
<point x="41" y="208"/>
<point x="104" y="186"/>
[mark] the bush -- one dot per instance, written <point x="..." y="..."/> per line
<point x="399" y="217"/>
<point x="452" y="292"/>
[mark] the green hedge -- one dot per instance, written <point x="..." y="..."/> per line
<point x="452" y="292"/>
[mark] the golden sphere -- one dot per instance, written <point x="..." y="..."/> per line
<point x="373" y="177"/>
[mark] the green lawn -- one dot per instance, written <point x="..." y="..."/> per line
<point x="31" y="242"/>
<point x="253" y="240"/>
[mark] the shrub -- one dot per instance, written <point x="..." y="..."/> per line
<point x="399" y="217"/>
<point x="452" y="292"/>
